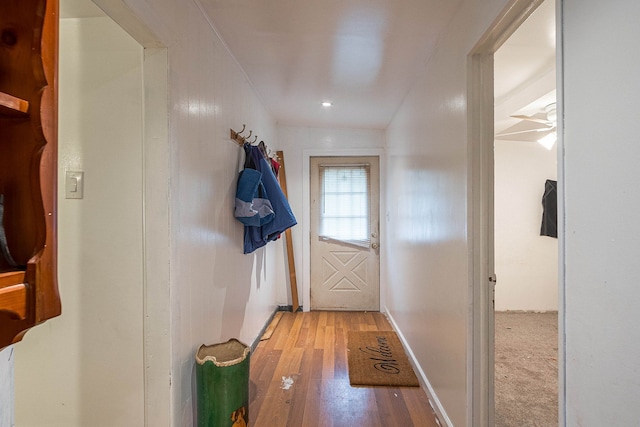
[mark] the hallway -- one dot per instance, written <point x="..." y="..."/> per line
<point x="311" y="349"/>
<point x="150" y="262"/>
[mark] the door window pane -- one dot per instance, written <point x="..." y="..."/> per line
<point x="344" y="204"/>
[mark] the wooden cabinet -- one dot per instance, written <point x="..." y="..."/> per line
<point x="28" y="165"/>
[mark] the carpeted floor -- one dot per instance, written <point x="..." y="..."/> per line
<point x="526" y="369"/>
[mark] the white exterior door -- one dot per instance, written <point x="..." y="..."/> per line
<point x="345" y="259"/>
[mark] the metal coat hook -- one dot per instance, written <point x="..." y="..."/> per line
<point x="254" y="139"/>
<point x="236" y="136"/>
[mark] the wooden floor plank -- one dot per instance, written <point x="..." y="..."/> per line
<point x="298" y="400"/>
<point x="391" y="407"/>
<point x="383" y="323"/>
<point x="272" y="326"/>
<point x="314" y="414"/>
<point x="418" y="407"/>
<point x="278" y="340"/>
<point x="294" y="330"/>
<point x="320" y="331"/>
<point x="329" y="355"/>
<point x="340" y="354"/>
<point x="311" y="349"/>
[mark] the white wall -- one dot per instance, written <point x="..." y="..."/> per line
<point x="86" y="366"/>
<point x="526" y="263"/>
<point x="297" y="143"/>
<point x="428" y="295"/>
<point x="601" y="228"/>
<point x="6" y="387"/>
<point x="216" y="291"/>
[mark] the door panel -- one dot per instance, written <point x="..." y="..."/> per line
<point x="345" y="273"/>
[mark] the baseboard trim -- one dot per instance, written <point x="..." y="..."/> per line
<point x="528" y="311"/>
<point x="256" y="341"/>
<point x="436" y="405"/>
<point x="278" y="308"/>
<point x="288" y="308"/>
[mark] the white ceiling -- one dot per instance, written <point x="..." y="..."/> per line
<point x="362" y="55"/>
<point x="524" y="73"/>
<point x="79" y="9"/>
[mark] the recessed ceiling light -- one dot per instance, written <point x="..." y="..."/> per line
<point x="326" y="104"/>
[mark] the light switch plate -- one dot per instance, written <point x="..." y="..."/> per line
<point x="74" y="185"/>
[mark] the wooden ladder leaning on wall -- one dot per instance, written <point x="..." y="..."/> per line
<point x="282" y="177"/>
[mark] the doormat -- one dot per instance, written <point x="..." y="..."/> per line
<point x="378" y="359"/>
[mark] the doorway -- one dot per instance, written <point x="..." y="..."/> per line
<point x="108" y="257"/>
<point x="344" y="233"/>
<point x="526" y="254"/>
<point x="481" y="139"/>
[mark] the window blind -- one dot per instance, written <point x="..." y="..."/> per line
<point x="344" y="204"/>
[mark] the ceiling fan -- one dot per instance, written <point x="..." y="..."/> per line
<point x="548" y="119"/>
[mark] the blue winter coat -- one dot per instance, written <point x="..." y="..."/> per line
<point x="257" y="237"/>
<point x="252" y="205"/>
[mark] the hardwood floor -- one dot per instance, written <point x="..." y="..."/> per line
<point x="310" y="349"/>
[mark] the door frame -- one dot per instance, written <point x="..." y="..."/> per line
<point x="480" y="231"/>
<point x="368" y="299"/>
<point x="156" y="219"/>
<point x="306" y="216"/>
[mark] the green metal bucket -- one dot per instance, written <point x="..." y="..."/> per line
<point x="222" y="380"/>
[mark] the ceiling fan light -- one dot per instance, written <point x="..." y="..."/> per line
<point x="552" y="114"/>
<point x="548" y="140"/>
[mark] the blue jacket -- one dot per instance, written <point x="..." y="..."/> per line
<point x="252" y="206"/>
<point x="258" y="236"/>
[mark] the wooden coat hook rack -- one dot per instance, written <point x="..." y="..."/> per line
<point x="241" y="140"/>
